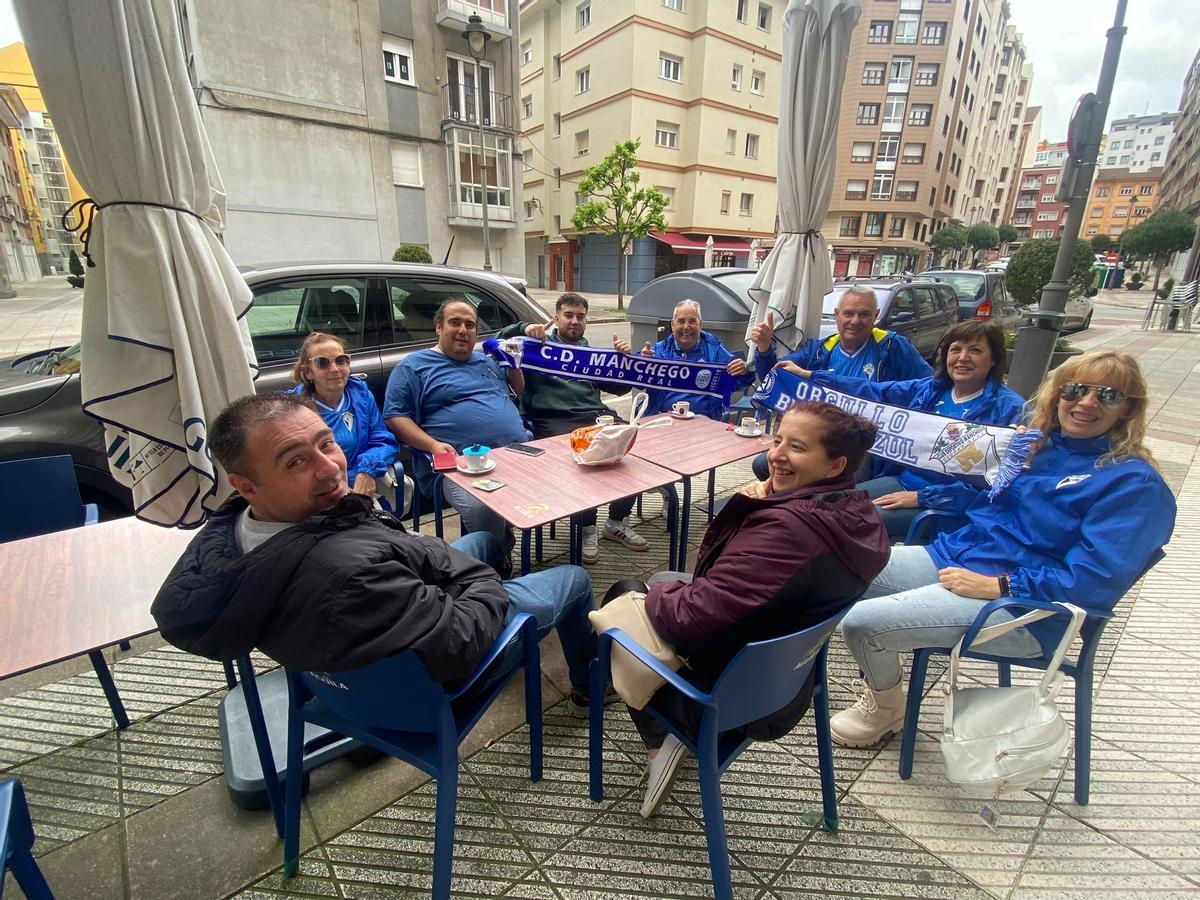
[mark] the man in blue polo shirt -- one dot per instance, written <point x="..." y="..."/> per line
<point x="450" y="397"/>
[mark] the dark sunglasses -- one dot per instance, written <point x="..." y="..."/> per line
<point x="342" y="360"/>
<point x="1108" y="397"/>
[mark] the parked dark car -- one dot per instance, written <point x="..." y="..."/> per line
<point x="981" y="295"/>
<point x="383" y="312"/>
<point x="921" y="311"/>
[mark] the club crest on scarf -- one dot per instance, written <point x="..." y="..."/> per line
<point x="965" y="448"/>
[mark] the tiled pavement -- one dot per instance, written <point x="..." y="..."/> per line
<point x="144" y="813"/>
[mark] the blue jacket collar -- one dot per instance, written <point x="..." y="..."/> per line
<point x="1096" y="446"/>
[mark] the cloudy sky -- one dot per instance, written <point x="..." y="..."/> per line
<point x="1065" y="42"/>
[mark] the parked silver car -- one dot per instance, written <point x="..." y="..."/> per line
<point x="382" y="311"/>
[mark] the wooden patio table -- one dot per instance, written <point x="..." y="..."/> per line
<point x="689" y="447"/>
<point x="542" y="489"/>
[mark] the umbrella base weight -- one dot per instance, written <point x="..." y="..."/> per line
<point x="243" y="771"/>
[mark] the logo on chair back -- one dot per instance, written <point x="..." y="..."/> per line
<point x="326" y="678"/>
<point x="807" y="658"/>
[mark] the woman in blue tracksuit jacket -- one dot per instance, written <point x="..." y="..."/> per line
<point x="1081" y="523"/>
<point x="967" y="384"/>
<point x="346" y="404"/>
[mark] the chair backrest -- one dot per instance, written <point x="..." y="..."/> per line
<point x="766" y="676"/>
<point x="16" y="828"/>
<point x="38" y="496"/>
<point x="395" y="693"/>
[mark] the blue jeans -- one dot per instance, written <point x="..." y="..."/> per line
<point x="477" y="517"/>
<point x="896" y="521"/>
<point x="906" y="608"/>
<point x="558" y="598"/>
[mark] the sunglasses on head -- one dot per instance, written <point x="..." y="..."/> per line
<point x="342" y="360"/>
<point x="1108" y="397"/>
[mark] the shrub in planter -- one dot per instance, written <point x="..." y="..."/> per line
<point x="411" y="253"/>
<point x="1165" y="291"/>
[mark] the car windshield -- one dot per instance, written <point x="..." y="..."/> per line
<point x="964" y="283"/>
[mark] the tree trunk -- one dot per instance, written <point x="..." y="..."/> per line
<point x="1158" y="267"/>
<point x="620" y="272"/>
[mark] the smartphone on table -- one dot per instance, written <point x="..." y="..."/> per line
<point x="445" y="461"/>
<point x="526" y="449"/>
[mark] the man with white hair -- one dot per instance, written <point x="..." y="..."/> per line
<point x="689" y="341"/>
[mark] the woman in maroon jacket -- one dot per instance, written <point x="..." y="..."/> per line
<point x="783" y="555"/>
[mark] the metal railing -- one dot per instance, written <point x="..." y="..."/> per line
<point x="461" y="104"/>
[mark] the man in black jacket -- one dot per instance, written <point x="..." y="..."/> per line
<point x="317" y="579"/>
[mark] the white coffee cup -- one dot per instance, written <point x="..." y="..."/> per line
<point x="604" y="420"/>
<point x="749" y="424"/>
<point x="476" y="457"/>
<point x="681" y="408"/>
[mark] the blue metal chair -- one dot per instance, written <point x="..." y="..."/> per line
<point x="41" y="496"/>
<point x="394" y="706"/>
<point x="930" y="523"/>
<point x="16" y="839"/>
<point x="762" y="679"/>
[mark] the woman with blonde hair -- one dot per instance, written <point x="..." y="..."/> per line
<point x="1088" y="513"/>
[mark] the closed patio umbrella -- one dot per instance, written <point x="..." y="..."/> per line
<point x="165" y="347"/>
<point x="708" y="252"/>
<point x="795" y="276"/>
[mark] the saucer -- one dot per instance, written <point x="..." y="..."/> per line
<point x="687" y="415"/>
<point x="740" y="433"/>
<point x="491" y="464"/>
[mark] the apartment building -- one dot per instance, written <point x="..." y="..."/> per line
<point x="1120" y="199"/>
<point x="367" y="138"/>
<point x="697" y="81"/>
<point x="1036" y="211"/>
<point x="1138" y="143"/>
<point x="932" y="112"/>
<point x="1181" y="174"/>
<point x="19" y="209"/>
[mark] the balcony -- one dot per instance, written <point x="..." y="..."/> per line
<point x="454" y="15"/>
<point x="1026" y="204"/>
<point x="461" y="106"/>
<point x="1031" y="184"/>
<point x="898" y="85"/>
<point x="463" y="159"/>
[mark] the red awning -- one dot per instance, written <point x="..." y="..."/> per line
<point x="682" y="243"/>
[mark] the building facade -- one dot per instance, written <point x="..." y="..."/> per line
<point x="932" y="111"/>
<point x="367" y="139"/>
<point x="1181" y="176"/>
<point x="1138" y="143"/>
<point x="1036" y="211"/>
<point x="18" y="207"/>
<point x="1120" y="199"/>
<point x="696" y="81"/>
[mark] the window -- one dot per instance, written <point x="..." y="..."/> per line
<point x="406" y="164"/>
<point x="397" y="61"/>
<point x="896" y="226"/>
<point x="1047" y="198"/>
<point x="1111" y="161"/>
<point x="1116" y="231"/>
<point x="860" y="151"/>
<point x="874" y="225"/>
<point x="556" y="66"/>
<point x="1092" y="229"/>
<point x="906" y="190"/>
<point x="1146" y="190"/>
<point x="937" y="166"/>
<point x="582" y="139"/>
<point x="527" y="106"/>
<point x="668" y="192"/>
<point x="881" y="186"/>
<point x="879" y="33"/>
<point x="530" y="207"/>
<point x="933" y="33"/>
<point x="913" y="153"/>
<point x="290" y="310"/>
<point x="1141" y="210"/>
<point x="1097" y="212"/>
<point x="873" y="73"/>
<point x="676" y="5"/>
<point x="526" y="52"/>
<point x="746" y="205"/>
<point x="758" y="82"/>
<point x="583" y="80"/>
<point x="868" y="114"/>
<point x="669" y="67"/>
<point x="1051" y="179"/>
<point x="467" y="189"/>
<point x="927" y="74"/>
<point x="1155" y="157"/>
<point x="726" y="196"/>
<point x="1102" y="191"/>
<point x="953" y="86"/>
<point x="735" y="79"/>
<point x="764" y="20"/>
<point x="901" y="73"/>
<point x="1126" y="191"/>
<point x="731" y="140"/>
<point x="889" y="148"/>
<point x="849" y="227"/>
<point x="1159" y="141"/>
<point x="1126" y="159"/>
<point x="893" y="113"/>
<point x="1121" y="213"/>
<point x="856" y="189"/>
<point x="752" y="146"/>
<point x="583" y="15"/>
<point x="919" y="114"/>
<point x="666" y="134"/>
<point x="1128" y="145"/>
<point x="557" y="123"/>
<point x="527" y="159"/>
<point x="1047" y="216"/>
<point x="906" y="28"/>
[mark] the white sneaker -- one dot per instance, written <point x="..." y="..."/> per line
<point x="623" y="534"/>
<point x="661" y="774"/>
<point x="875" y="716"/>
<point x="591" y="545"/>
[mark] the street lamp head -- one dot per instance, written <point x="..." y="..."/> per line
<point x="477" y="37"/>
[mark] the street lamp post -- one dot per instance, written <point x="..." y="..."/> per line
<point x="477" y="37"/>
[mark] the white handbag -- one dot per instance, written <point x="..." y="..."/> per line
<point x="603" y="445"/>
<point x="1000" y="740"/>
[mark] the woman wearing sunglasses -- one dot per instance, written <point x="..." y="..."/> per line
<point x="1080" y="523"/>
<point x="347" y="406"/>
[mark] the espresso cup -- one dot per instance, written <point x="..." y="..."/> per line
<point x="749" y="424"/>
<point x="604" y="420"/>
<point x="476" y="457"/>
<point x="681" y="408"/>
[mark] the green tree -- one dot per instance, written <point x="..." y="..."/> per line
<point x="616" y="205"/>
<point x="411" y="253"/>
<point x="981" y="237"/>
<point x="1033" y="265"/>
<point x="947" y="238"/>
<point x="75" y="267"/>
<point x="1007" y="233"/>
<point x="1167" y="231"/>
<point x="1102" y="243"/>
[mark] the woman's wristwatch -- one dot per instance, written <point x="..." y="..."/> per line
<point x="1005" y="587"/>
